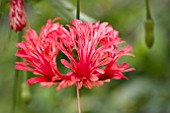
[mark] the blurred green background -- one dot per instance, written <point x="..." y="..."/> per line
<point x="146" y="91"/>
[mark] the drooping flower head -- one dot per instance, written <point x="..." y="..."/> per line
<point x="17" y="15"/>
<point x="91" y="50"/>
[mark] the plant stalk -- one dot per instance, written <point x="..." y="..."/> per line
<point x="78" y="9"/>
<point x="17" y="81"/>
<point x="148" y="14"/>
<point x="78" y="98"/>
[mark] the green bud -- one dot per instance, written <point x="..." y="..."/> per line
<point x="25" y="93"/>
<point x="149" y="32"/>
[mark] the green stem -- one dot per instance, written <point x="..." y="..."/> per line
<point x="148" y="14"/>
<point x="20" y="36"/>
<point x="15" y="87"/>
<point x="2" y="4"/>
<point x="1" y="7"/>
<point x="17" y="81"/>
<point x="25" y="76"/>
<point x="78" y="10"/>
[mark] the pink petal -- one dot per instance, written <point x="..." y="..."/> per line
<point x="47" y="84"/>
<point x="64" y="84"/>
<point x="37" y="79"/>
<point x="94" y="78"/>
<point x="66" y="64"/>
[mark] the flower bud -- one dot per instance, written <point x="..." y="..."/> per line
<point x="17" y="15"/>
<point x="25" y="93"/>
<point x="149" y="32"/>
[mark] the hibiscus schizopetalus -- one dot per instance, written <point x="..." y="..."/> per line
<point x="17" y="15"/>
<point x="91" y="50"/>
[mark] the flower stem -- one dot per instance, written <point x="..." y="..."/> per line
<point x="148" y="14"/>
<point x="78" y="10"/>
<point x="1" y="8"/>
<point x="78" y="98"/>
<point x="17" y="81"/>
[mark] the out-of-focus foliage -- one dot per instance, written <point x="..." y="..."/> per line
<point x="146" y="91"/>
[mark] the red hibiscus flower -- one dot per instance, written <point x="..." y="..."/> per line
<point x="91" y="50"/>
